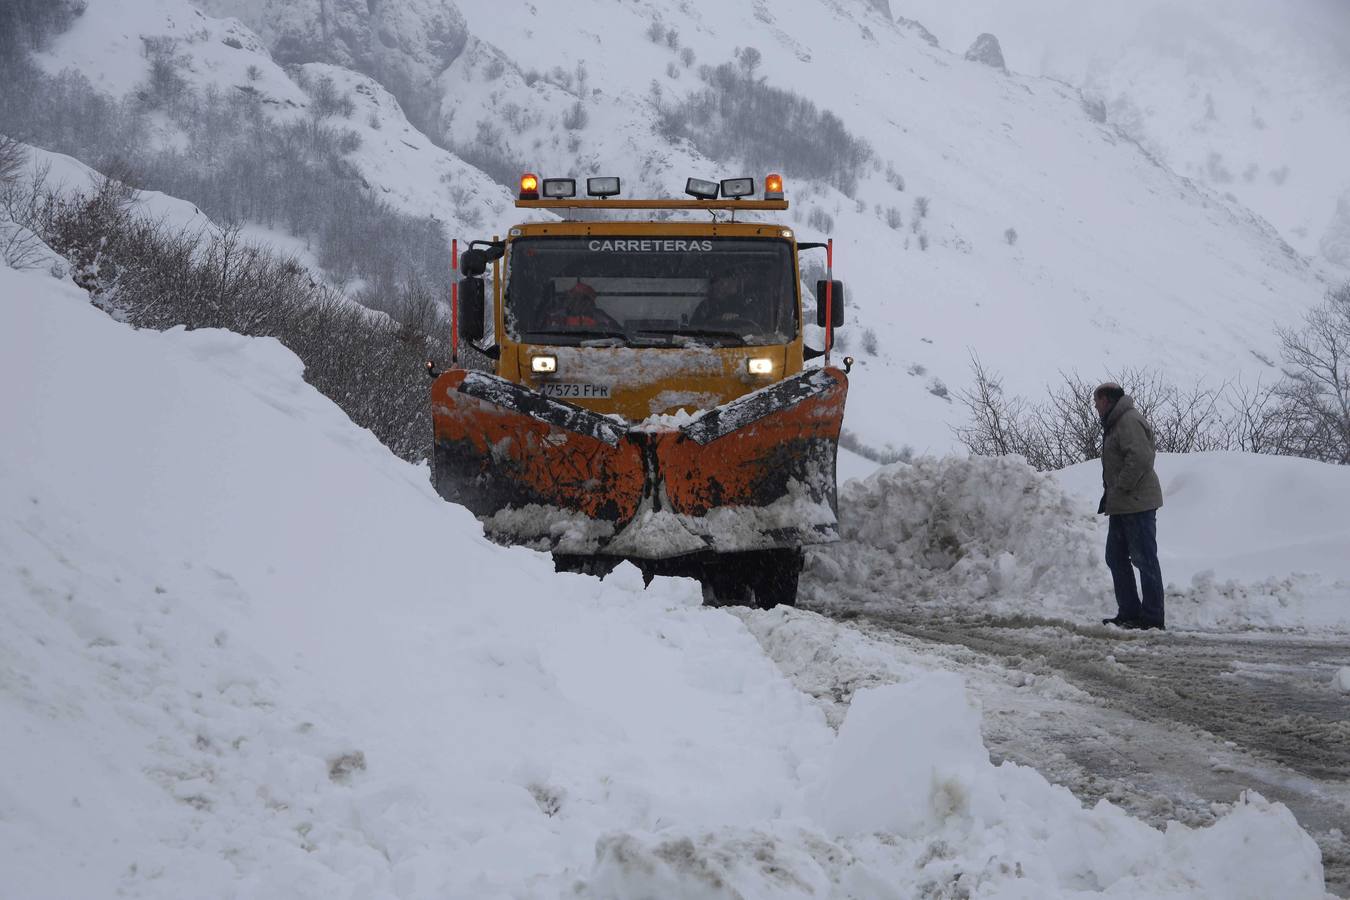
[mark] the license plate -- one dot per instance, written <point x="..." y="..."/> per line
<point x="572" y="390"/>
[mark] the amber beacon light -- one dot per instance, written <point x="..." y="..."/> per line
<point x="773" y="187"/>
<point x="529" y="186"/>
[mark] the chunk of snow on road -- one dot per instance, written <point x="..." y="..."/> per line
<point x="1342" y="679"/>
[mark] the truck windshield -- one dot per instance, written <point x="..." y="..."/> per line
<point x="653" y="291"/>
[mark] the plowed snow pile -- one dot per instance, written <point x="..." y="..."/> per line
<point x="1245" y="541"/>
<point x="246" y="653"/>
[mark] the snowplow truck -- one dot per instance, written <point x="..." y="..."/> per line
<point x="650" y="395"/>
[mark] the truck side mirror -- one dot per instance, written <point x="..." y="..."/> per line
<point x="836" y="303"/>
<point x="474" y="262"/>
<point x="472" y="307"/>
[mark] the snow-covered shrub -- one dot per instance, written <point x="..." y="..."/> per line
<point x="894" y="178"/>
<point x="1010" y="236"/>
<point x="154" y="277"/>
<point x="165" y="85"/>
<point x="326" y="101"/>
<point x="870" y="344"/>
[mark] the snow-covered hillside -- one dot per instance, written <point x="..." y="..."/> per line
<point x="1044" y="240"/>
<point x="1246" y="96"/>
<point x="245" y="652"/>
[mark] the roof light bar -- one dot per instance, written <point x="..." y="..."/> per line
<point x="700" y="188"/>
<point x="560" y="188"/>
<point x="602" y="187"/>
<point x="529" y="186"/>
<point x="735" y="188"/>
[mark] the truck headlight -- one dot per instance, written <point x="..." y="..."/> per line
<point x="544" y="364"/>
<point x="759" y="366"/>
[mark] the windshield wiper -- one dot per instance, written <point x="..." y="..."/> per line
<point x="583" y="333"/>
<point x="710" y="332"/>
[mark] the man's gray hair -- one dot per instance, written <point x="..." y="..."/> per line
<point x="1110" y="390"/>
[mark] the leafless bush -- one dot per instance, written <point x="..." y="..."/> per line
<point x="921" y="205"/>
<point x="153" y="277"/>
<point x="13" y="157"/>
<point x="1010" y="236"/>
<point x="165" y="85"/>
<point x="820" y="220"/>
<point x="870" y="344"/>
<point x="576" y="117"/>
<point x="326" y="100"/>
<point x="1064" y="429"/>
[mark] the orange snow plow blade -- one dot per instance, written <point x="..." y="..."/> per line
<point x="756" y="473"/>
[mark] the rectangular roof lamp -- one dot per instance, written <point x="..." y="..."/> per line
<point x="602" y="187"/>
<point x="560" y="188"/>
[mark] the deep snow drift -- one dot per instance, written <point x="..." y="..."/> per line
<point x="245" y="652"/>
<point x="1244" y="541"/>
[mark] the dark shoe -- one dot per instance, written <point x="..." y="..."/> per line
<point x="1151" y="626"/>
<point x="1122" y="622"/>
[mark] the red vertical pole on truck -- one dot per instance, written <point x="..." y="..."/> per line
<point x="454" y="301"/>
<point x="829" y="298"/>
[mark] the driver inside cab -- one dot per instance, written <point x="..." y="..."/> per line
<point x="578" y="309"/>
<point x="727" y="303"/>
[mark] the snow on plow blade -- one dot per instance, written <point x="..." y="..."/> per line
<point x="753" y="474"/>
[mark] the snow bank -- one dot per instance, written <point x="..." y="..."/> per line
<point x="245" y="652"/>
<point x="1245" y="541"/>
<point x="917" y="809"/>
<point x="987" y="533"/>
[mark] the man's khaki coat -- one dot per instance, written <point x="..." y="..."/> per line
<point x="1127" y="462"/>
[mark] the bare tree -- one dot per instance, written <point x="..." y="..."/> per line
<point x="1064" y="428"/>
<point x="1316" y="394"/>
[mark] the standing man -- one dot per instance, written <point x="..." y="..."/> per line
<point x="1131" y="500"/>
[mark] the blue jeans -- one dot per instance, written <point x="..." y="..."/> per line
<point x="1132" y="542"/>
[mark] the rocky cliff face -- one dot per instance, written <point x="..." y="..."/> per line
<point x="986" y="50"/>
<point x="404" y="44"/>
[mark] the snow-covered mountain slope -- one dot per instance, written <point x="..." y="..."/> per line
<point x="1044" y="240"/>
<point x="245" y="652"/>
<point x="1249" y="97"/>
